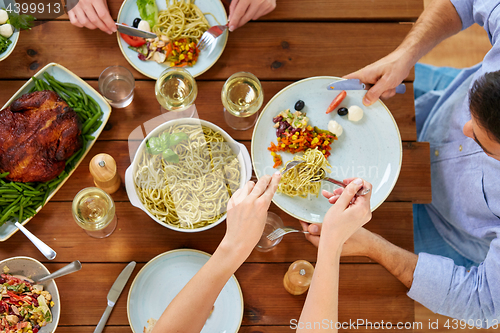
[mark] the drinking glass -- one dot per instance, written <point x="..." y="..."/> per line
<point x="176" y="91"/>
<point x="273" y="222"/>
<point x="94" y="211"/>
<point x="117" y="84"/>
<point x="242" y="97"/>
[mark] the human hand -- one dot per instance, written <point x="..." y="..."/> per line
<point x="247" y="214"/>
<point x="385" y="75"/>
<point x="356" y="245"/>
<point x="92" y="14"/>
<point x="242" y="11"/>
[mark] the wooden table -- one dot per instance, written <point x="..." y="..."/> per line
<point x="299" y="39"/>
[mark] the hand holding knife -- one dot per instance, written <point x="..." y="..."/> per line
<point x="114" y="293"/>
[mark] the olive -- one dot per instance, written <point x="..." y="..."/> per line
<point x="299" y="105"/>
<point x="136" y="22"/>
<point x="342" y="111"/>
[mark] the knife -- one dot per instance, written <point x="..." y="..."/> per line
<point x="355" y="84"/>
<point x="131" y="31"/>
<point x="114" y="293"/>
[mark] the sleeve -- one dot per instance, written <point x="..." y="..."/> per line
<point x="472" y="11"/>
<point x="451" y="290"/>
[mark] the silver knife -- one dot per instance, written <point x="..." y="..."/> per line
<point x="114" y="293"/>
<point x="131" y="31"/>
<point x="355" y="84"/>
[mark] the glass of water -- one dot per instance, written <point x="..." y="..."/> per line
<point x="117" y="84"/>
<point x="273" y="222"/>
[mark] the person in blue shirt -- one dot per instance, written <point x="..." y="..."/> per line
<point x="456" y="268"/>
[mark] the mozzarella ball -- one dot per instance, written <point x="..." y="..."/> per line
<point x="355" y="113"/>
<point x="335" y="128"/>
<point x="144" y="26"/>
<point x="6" y="30"/>
<point x="3" y="16"/>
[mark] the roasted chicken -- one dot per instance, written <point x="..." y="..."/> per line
<point x="38" y="133"/>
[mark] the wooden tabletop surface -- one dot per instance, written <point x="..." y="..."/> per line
<point x="299" y="39"/>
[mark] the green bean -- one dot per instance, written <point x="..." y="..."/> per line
<point x="90" y="123"/>
<point x="89" y="137"/>
<point x="8" y="191"/>
<point x="77" y="87"/>
<point x="8" y="213"/>
<point x="12" y="184"/>
<point x="73" y="157"/>
<point x="32" y="192"/>
<point x="20" y="213"/>
<point x="5" y="174"/>
<point x="14" y="203"/>
<point x="26" y="186"/>
<point x="95" y="127"/>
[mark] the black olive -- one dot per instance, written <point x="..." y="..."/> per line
<point x="136" y="22"/>
<point x="299" y="105"/>
<point x="342" y="111"/>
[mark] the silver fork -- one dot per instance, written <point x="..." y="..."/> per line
<point x="280" y="232"/>
<point x="210" y="35"/>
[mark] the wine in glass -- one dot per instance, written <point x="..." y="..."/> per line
<point x="242" y="97"/>
<point x="176" y="91"/>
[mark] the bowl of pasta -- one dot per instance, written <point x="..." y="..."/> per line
<point x="184" y="173"/>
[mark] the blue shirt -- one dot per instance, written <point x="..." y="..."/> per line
<point x="465" y="206"/>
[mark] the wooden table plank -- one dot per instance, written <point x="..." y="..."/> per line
<point x="278" y="51"/>
<point x="368" y="292"/>
<point x="326" y="10"/>
<point x="139" y="238"/>
<point x="413" y="184"/>
<point x="209" y="106"/>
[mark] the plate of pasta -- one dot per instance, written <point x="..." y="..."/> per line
<point x="369" y="148"/>
<point x="179" y="25"/>
<point x="184" y="173"/>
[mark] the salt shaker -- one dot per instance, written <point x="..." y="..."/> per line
<point x="298" y="277"/>
<point x="103" y="169"/>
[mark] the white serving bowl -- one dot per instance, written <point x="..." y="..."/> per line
<point x="239" y="149"/>
<point x="33" y="269"/>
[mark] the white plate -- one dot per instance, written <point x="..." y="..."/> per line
<point x="129" y="12"/>
<point x="370" y="149"/>
<point x="14" y="38"/>
<point x="163" y="277"/>
<point x="62" y="74"/>
<point x="33" y="269"/>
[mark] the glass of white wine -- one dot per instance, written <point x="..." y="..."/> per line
<point x="176" y="91"/>
<point x="94" y="211"/>
<point x="242" y="97"/>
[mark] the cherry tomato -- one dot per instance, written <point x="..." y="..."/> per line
<point x="336" y="101"/>
<point x="133" y="41"/>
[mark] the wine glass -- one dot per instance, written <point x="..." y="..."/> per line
<point x="176" y="91"/>
<point x="242" y="97"/>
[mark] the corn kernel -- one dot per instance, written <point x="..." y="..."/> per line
<point x="299" y="125"/>
<point x="283" y="145"/>
<point x="294" y="137"/>
<point x="273" y="153"/>
<point x="51" y="304"/>
<point x="190" y="56"/>
<point x="172" y="64"/>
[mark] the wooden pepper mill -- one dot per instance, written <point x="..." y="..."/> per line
<point x="103" y="169"/>
<point x="298" y="277"/>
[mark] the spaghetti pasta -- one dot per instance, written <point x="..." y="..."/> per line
<point x="297" y="181"/>
<point x="194" y="192"/>
<point x="181" y="19"/>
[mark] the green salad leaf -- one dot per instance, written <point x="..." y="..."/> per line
<point x="4" y="44"/>
<point x="148" y="11"/>
<point x="21" y="22"/>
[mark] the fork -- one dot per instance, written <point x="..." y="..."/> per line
<point x="210" y="35"/>
<point x="280" y="232"/>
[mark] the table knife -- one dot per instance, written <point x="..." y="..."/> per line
<point x="131" y="31"/>
<point x="114" y="293"/>
<point x="355" y="84"/>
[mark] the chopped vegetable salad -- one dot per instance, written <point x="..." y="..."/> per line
<point x="24" y="307"/>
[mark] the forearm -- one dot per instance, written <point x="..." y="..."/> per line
<point x="322" y="299"/>
<point x="399" y="262"/>
<point x="190" y="309"/>
<point x="437" y="22"/>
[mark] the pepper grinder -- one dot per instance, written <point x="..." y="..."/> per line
<point x="103" y="169"/>
<point x="298" y="277"/>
